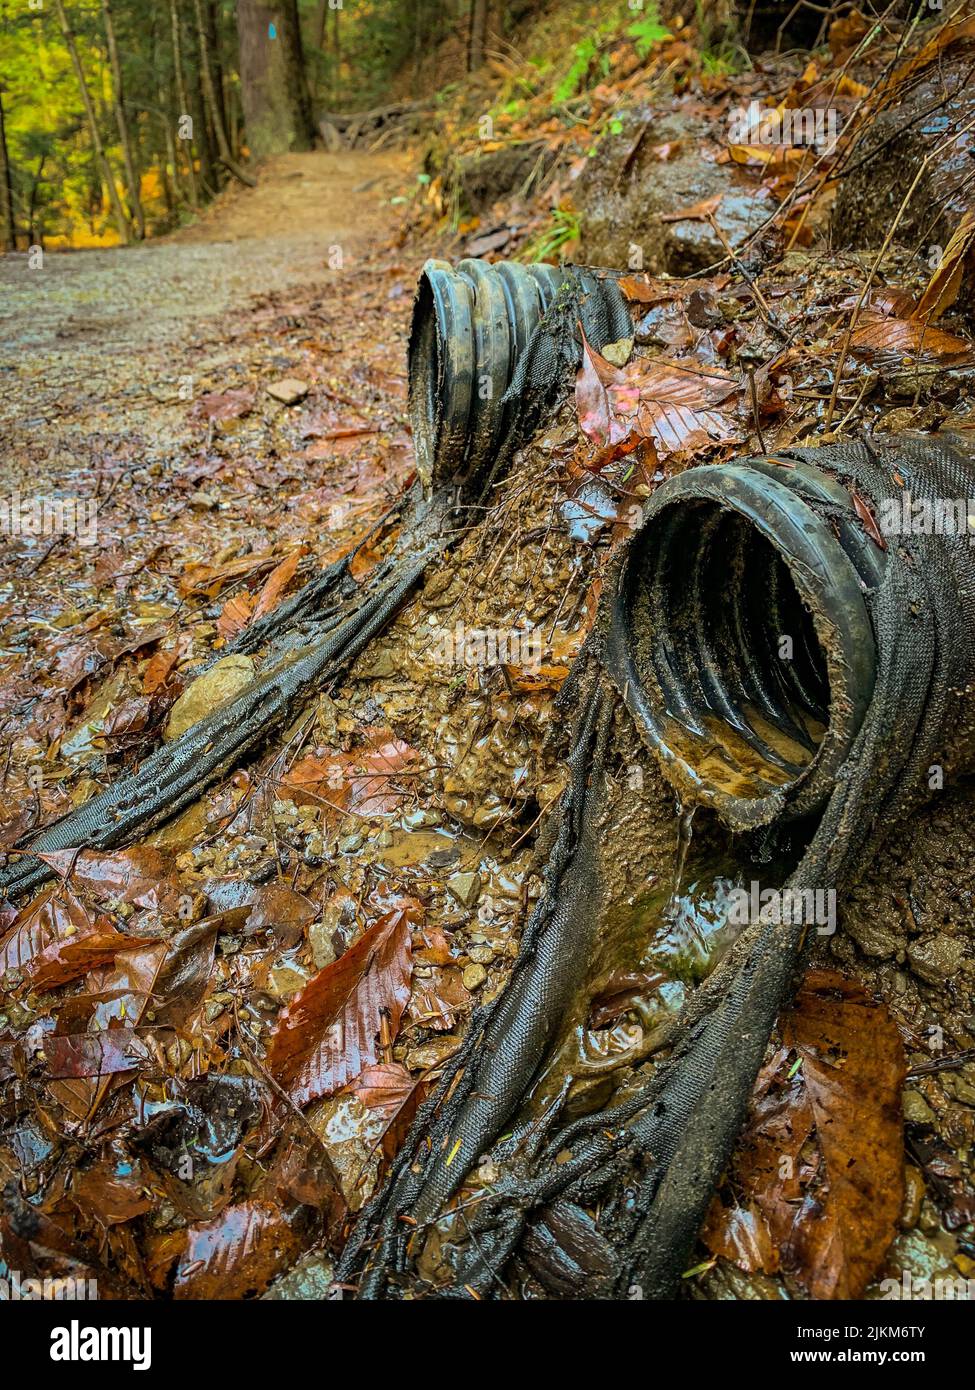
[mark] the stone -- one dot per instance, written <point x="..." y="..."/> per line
<point x="465" y="887"/>
<point x="936" y="958"/>
<point x="227" y="678"/>
<point x="289" y="390"/>
<point x="916" y="1109"/>
<point x="474" y="976"/>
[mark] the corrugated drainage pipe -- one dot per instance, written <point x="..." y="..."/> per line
<point x="470" y="326"/>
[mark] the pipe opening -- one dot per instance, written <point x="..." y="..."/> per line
<point x="425" y="375"/>
<point x="742" y="639"/>
<point x="740" y="666"/>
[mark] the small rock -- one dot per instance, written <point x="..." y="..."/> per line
<point x="431" y="1054"/>
<point x="289" y="390"/>
<point x="465" y="888"/>
<point x="284" y="981"/>
<point x="320" y="937"/>
<point x="619" y="352"/>
<point x="916" y="1109"/>
<point x="936" y="958"/>
<point x="474" y="976"/>
<point x="480" y="955"/>
<point x="208" y="692"/>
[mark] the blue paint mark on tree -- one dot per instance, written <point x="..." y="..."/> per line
<point x="272" y="32"/>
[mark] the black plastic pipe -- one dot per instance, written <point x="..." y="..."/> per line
<point x="741" y="638"/>
<point x="470" y="326"/>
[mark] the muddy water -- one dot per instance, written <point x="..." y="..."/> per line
<point x="651" y="951"/>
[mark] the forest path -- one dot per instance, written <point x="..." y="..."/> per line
<point x="145" y="381"/>
<point x="95" y="344"/>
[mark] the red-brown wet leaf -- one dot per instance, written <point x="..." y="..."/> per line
<point x="281" y="909"/>
<point x="277" y="582"/>
<point x="225" y="405"/>
<point x="329" y="1033"/>
<point x="142" y="875"/>
<point x="887" y="342"/>
<point x="238" y="1254"/>
<point x="389" y="1087"/>
<point x="363" y="781"/>
<point x="829" y="1210"/>
<point x="440" y="999"/>
<point x="671" y="404"/>
<point x="55" y="940"/>
<point x="863" y="510"/>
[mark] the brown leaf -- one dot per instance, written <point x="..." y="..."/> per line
<point x="54" y="940"/>
<point x="853" y="1069"/>
<point x="225" y="405"/>
<point x="235" y="614"/>
<point x="276" y="583"/>
<point x="698" y="212"/>
<point x="819" y="1167"/>
<point x="863" y="510"/>
<point x="362" y="781"/>
<point x="329" y="1033"/>
<point x="946" y="282"/>
<point x="668" y="403"/>
<point x="888" y="341"/>
<point x="143" y="876"/>
<point x="238" y="1254"/>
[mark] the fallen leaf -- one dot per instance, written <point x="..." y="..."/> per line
<point x="853" y="1068"/>
<point x="329" y="1033"/>
<point x="946" y="282"/>
<point x="818" y="1174"/>
<point x="889" y="341"/>
<point x="237" y="1254"/>
<point x="276" y="583"/>
<point x="671" y="404"/>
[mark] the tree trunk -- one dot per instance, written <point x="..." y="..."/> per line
<point x="35" y="238"/>
<point x="118" y="92"/>
<point x="96" y="140"/>
<point x="184" y="106"/>
<point x="213" y="49"/>
<point x="277" y="114"/>
<point x="479" y="17"/>
<point x="213" y="106"/>
<point x="321" y="14"/>
<point x="8" y="230"/>
<point x="337" y="57"/>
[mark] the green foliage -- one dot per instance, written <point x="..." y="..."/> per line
<point x="583" y="55"/>
<point x="547" y="246"/>
<point x="647" y="31"/>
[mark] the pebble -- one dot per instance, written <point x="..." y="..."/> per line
<point x="474" y="976"/>
<point x="465" y="888"/>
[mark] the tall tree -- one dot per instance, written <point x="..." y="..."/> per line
<point x="101" y="161"/>
<point x="479" y="18"/>
<point x="214" y="107"/>
<point x="121" y="120"/>
<point x="277" y="111"/>
<point x="184" y="108"/>
<point x="8" y="231"/>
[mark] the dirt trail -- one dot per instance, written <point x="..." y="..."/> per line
<point x="96" y="339"/>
